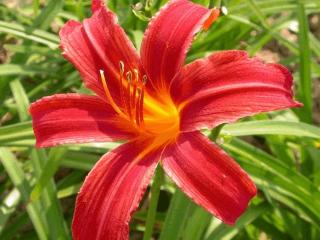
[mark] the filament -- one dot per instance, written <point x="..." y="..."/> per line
<point x="108" y="95"/>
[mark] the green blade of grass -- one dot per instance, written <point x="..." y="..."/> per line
<point x="16" y="69"/>
<point x="51" y="206"/>
<point x="20" y="98"/>
<point x="48" y="14"/>
<point x="52" y="165"/>
<point x="8" y="206"/>
<point x="15" y="132"/>
<point x="176" y="217"/>
<point x="36" y="35"/>
<point x="155" y="193"/>
<point x="223" y="231"/>
<point x="270" y="127"/>
<point x="305" y="84"/>
<point x="17" y="177"/>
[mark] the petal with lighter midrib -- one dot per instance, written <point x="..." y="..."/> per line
<point x="209" y="176"/>
<point x="76" y="118"/>
<point x="227" y="86"/>
<point x="99" y="44"/>
<point x="168" y="37"/>
<point x="112" y="192"/>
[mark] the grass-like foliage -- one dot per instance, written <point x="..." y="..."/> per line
<point x="279" y="150"/>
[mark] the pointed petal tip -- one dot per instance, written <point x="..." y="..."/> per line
<point x="210" y="177"/>
<point x="214" y="14"/>
<point x="112" y="191"/>
<point x="96" y="5"/>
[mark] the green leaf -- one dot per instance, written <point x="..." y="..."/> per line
<point x="273" y="175"/>
<point x="52" y="165"/>
<point x="48" y="14"/>
<point x="17" y="177"/>
<point x="198" y="222"/>
<point x="51" y="205"/>
<point x="15" y="132"/>
<point x="269" y="127"/>
<point x="16" y="69"/>
<point x="224" y="232"/>
<point x="8" y="206"/>
<point x="177" y="216"/>
<point x="305" y="84"/>
<point x="35" y="35"/>
<point x="152" y="211"/>
<point x="20" y="98"/>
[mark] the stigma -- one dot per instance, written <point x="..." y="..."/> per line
<point x="131" y="89"/>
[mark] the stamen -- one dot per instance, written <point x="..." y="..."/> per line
<point x="141" y="99"/>
<point x="129" y="78"/>
<point x="138" y="120"/>
<point x="144" y="80"/>
<point x="122" y="97"/>
<point x="121" y="65"/>
<point x="108" y="95"/>
<point x="135" y="84"/>
<point x="140" y="102"/>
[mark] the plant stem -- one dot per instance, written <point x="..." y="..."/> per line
<point x="155" y="192"/>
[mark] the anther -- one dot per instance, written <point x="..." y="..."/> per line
<point x="136" y="74"/>
<point x="129" y="76"/>
<point x="122" y="97"/>
<point x="144" y="79"/>
<point x="121" y="66"/>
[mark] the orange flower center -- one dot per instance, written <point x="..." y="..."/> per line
<point x="155" y="117"/>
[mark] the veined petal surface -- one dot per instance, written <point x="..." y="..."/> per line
<point x="99" y="44"/>
<point x="112" y="192"/>
<point x="227" y="86"/>
<point x="209" y="176"/>
<point x="75" y="118"/>
<point x="168" y="37"/>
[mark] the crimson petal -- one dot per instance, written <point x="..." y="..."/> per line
<point x="227" y="86"/>
<point x="99" y="44"/>
<point x="75" y="118"/>
<point x="209" y="176"/>
<point x="96" y="5"/>
<point x="168" y="38"/>
<point x="112" y="192"/>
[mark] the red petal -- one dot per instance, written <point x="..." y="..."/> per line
<point x="227" y="86"/>
<point x="168" y="38"/>
<point x="112" y="192"/>
<point x="209" y="176"/>
<point x="75" y="118"/>
<point x="96" y="5"/>
<point x="99" y="44"/>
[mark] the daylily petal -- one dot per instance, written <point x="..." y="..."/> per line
<point x="99" y="44"/>
<point x="227" y="86"/>
<point x="75" y="118"/>
<point x="168" y="38"/>
<point x="112" y="192"/>
<point x="96" y="5"/>
<point x="209" y="176"/>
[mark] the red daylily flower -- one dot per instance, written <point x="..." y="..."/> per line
<point x="158" y="105"/>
